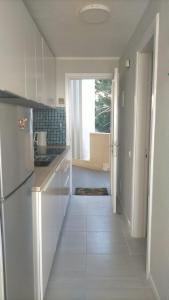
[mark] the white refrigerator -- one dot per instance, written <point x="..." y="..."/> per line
<point x="16" y="230"/>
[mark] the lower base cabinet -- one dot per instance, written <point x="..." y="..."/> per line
<point x="49" y="207"/>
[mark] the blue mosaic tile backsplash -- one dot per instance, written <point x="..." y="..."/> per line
<point x="53" y="121"/>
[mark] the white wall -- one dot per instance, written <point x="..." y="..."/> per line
<point x="64" y="66"/>
<point x="160" y="212"/>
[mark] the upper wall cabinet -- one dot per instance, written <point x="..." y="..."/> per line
<point x="12" y="64"/>
<point x="49" y="76"/>
<point x="27" y="66"/>
<point x="39" y="66"/>
<point x="29" y="54"/>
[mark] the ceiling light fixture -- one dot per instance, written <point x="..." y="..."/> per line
<point x="95" y="13"/>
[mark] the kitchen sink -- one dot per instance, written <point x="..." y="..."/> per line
<point x="43" y="160"/>
<point x="45" y="155"/>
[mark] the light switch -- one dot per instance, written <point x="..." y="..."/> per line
<point x="61" y="101"/>
<point x="127" y="63"/>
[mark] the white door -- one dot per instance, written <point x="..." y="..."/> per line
<point x="142" y="133"/>
<point x="114" y="138"/>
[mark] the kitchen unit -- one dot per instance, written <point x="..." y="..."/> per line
<point x="16" y="219"/>
<point x="33" y="200"/>
<point x="50" y="194"/>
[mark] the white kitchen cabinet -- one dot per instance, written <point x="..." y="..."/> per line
<point x="49" y="209"/>
<point x="29" y="54"/>
<point x="52" y="81"/>
<point x="49" y="75"/>
<point x="39" y="66"/>
<point x="12" y="65"/>
<point x="27" y="66"/>
<point x="65" y="182"/>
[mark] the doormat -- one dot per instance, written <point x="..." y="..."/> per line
<point x="91" y="191"/>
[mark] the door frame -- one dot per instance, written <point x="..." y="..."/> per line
<point x="114" y="138"/>
<point x="152" y="32"/>
<point x="68" y="78"/>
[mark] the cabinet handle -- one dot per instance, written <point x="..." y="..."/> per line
<point x="67" y="179"/>
<point x="57" y="169"/>
<point x="67" y="167"/>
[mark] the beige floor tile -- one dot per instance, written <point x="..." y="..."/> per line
<point x="96" y="258"/>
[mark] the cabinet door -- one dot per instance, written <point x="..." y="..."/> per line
<point x="39" y="66"/>
<point x="49" y="70"/>
<point x="12" y="67"/>
<point x="51" y="225"/>
<point x="29" y="52"/>
<point x="52" y="80"/>
<point x="65" y="182"/>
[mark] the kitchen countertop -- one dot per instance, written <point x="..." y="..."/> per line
<point x="43" y="174"/>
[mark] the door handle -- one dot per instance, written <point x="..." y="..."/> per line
<point x="115" y="149"/>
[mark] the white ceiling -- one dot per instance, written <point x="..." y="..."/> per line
<point x="68" y="36"/>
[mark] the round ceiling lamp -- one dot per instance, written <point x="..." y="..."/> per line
<point x="95" y="13"/>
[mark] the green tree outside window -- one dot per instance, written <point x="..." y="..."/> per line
<point x="103" y="105"/>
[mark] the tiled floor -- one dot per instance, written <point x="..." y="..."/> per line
<point x="96" y="259"/>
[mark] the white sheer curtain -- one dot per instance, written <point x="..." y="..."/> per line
<point x="76" y="92"/>
<point x="83" y="117"/>
<point x="88" y="115"/>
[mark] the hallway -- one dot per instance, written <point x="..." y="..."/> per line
<point x="96" y="259"/>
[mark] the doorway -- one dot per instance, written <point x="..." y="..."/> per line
<point x="144" y="129"/>
<point x="142" y="141"/>
<point x="91" y="123"/>
<point x="113" y="142"/>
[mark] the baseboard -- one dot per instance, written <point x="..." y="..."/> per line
<point x="154" y="288"/>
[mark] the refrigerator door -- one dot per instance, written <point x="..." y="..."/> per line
<point x="18" y="244"/>
<point x="2" y="295"/>
<point x="16" y="147"/>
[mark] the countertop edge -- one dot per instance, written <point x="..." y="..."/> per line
<point x="42" y="174"/>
